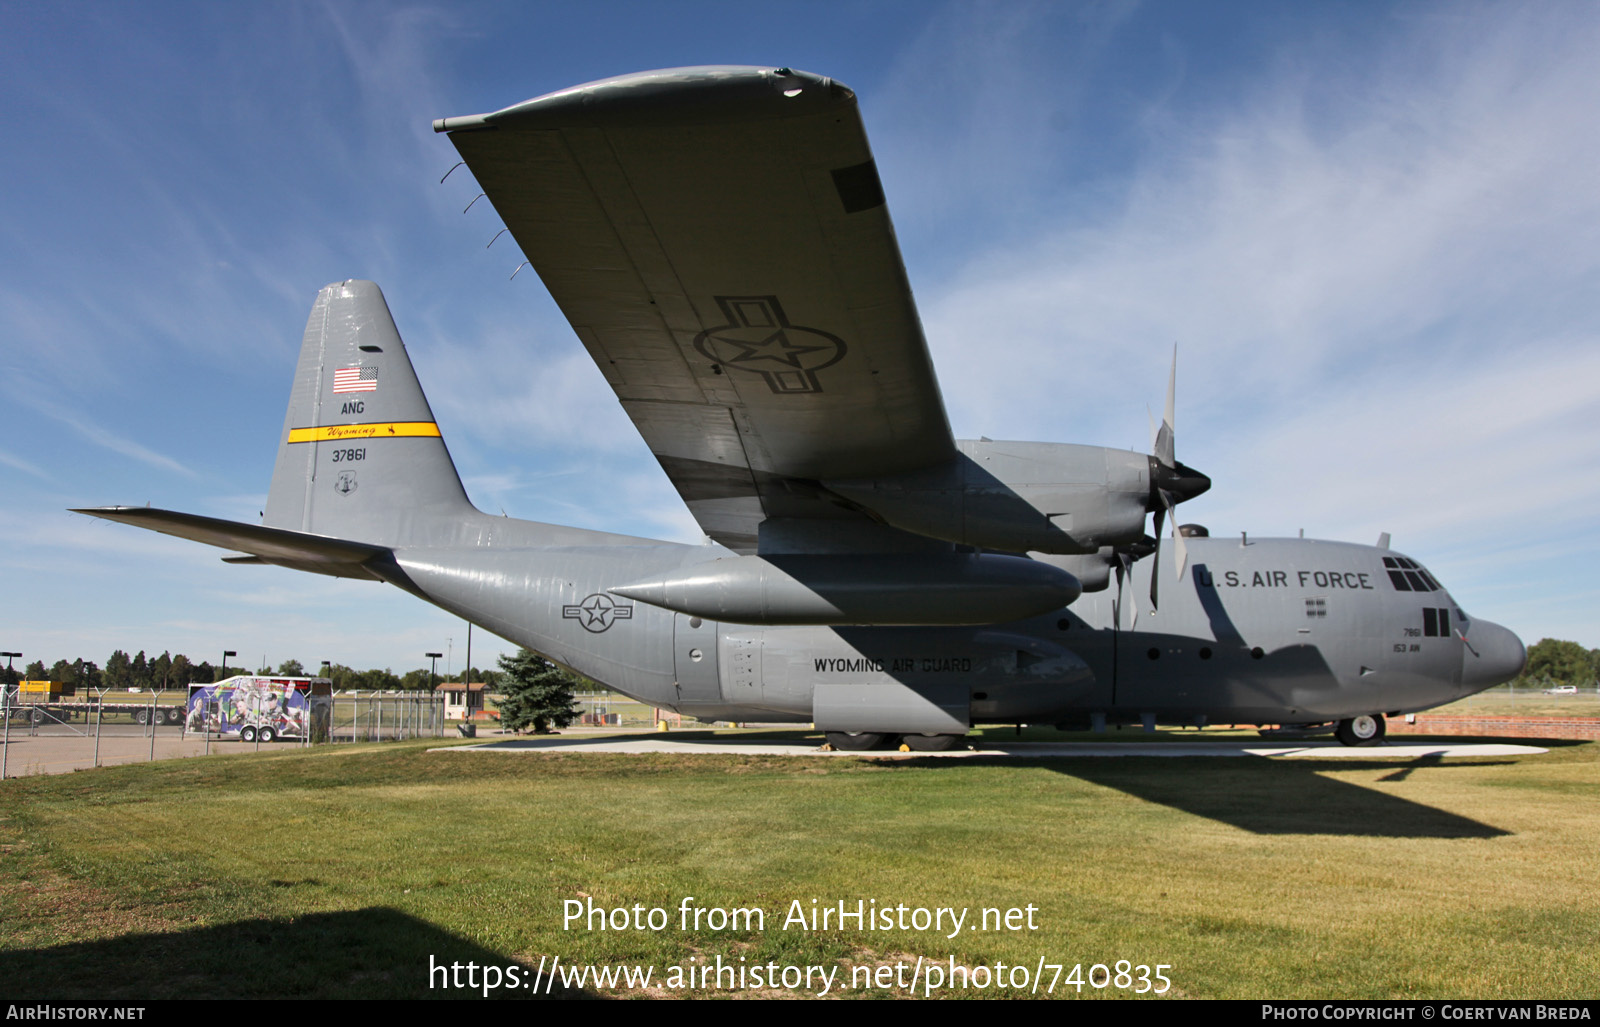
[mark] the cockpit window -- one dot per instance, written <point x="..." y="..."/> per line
<point x="1407" y="575"/>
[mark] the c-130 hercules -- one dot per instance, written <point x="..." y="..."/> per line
<point x="719" y="241"/>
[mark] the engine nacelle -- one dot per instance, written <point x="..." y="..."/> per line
<point x="947" y="588"/>
<point x="1093" y="570"/>
<point x="1017" y="497"/>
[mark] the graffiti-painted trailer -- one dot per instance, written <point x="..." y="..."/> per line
<point x="262" y="708"/>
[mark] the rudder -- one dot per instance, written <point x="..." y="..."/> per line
<point x="361" y="456"/>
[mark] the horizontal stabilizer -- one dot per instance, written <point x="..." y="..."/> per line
<point x="295" y="549"/>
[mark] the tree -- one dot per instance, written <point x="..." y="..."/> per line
<point x="291" y="669"/>
<point x="538" y="694"/>
<point x="161" y="671"/>
<point x="119" y="670"/>
<point x="140" y="672"/>
<point x="1556" y="661"/>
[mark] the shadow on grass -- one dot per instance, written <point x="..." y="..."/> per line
<point x="1257" y="794"/>
<point x="372" y="953"/>
<point x="1271" y="796"/>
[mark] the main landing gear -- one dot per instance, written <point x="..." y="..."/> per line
<point x="862" y="741"/>
<point x="856" y="741"/>
<point x="1363" y="730"/>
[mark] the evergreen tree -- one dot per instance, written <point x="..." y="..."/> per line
<point x="161" y="672"/>
<point x="538" y="694"/>
<point x="119" y="670"/>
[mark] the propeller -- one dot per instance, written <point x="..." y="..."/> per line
<point x="1170" y="482"/>
<point x="1123" y="558"/>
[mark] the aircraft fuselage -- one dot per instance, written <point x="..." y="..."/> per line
<point x="1267" y="631"/>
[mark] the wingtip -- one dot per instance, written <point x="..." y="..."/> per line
<point x="687" y="95"/>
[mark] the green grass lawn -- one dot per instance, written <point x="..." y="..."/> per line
<point x="1500" y="702"/>
<point x="339" y="872"/>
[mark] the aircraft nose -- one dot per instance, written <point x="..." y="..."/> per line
<point x="1493" y="655"/>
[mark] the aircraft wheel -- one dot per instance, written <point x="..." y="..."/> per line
<point x="247" y="734"/>
<point x="268" y="735"/>
<point x="855" y="741"/>
<point x="933" y="743"/>
<point x="1364" y="730"/>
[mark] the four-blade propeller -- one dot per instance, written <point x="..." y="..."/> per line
<point x="1170" y="484"/>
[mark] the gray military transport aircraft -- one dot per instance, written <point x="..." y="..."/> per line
<point x="719" y="241"/>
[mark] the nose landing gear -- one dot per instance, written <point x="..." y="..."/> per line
<point x="1364" y="730"/>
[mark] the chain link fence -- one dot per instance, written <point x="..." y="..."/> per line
<point x="51" y="733"/>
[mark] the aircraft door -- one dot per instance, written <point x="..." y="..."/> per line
<point x="694" y="659"/>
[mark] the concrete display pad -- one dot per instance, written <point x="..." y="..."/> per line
<point x="1017" y="750"/>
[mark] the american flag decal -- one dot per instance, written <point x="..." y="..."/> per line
<point x="355" y="379"/>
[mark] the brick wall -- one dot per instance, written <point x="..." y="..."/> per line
<point x="1498" y="727"/>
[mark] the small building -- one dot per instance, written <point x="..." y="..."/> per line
<point x="462" y="702"/>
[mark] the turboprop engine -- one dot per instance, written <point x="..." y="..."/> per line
<point x="1038" y="497"/>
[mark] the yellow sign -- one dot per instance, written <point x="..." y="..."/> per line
<point x="384" y="430"/>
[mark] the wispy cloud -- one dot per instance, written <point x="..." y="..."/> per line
<point x="104" y="437"/>
<point x="17" y="463"/>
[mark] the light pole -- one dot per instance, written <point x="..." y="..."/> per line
<point x="8" y="688"/>
<point x="225" y="654"/>
<point x="5" y="712"/>
<point x="433" y="660"/>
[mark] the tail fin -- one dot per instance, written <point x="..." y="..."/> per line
<point x="361" y="457"/>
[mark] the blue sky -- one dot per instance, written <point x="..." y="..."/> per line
<point x="1373" y="231"/>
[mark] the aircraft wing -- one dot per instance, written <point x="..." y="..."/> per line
<point x="719" y="241"/>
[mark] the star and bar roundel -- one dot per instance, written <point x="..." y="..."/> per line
<point x="597" y="612"/>
<point x="758" y="338"/>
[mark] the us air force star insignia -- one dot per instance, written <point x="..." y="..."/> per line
<point x="758" y="338"/>
<point x="597" y="612"/>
